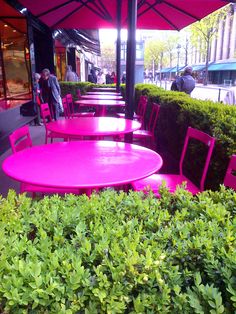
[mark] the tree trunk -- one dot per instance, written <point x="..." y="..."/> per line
<point x="205" y="82"/>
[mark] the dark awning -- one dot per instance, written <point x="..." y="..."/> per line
<point x="88" y="40"/>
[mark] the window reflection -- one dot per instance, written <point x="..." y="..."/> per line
<point x="15" y="84"/>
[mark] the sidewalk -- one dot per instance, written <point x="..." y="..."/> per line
<point x="210" y="92"/>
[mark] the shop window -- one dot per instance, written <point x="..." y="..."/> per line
<point x="15" y="83"/>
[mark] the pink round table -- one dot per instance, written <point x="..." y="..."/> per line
<point x="100" y="104"/>
<point x="82" y="164"/>
<point x="102" y="97"/>
<point x="104" y="89"/>
<point x="93" y="126"/>
<point x="104" y="93"/>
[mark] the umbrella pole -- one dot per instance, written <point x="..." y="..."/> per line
<point x="130" y="58"/>
<point x="118" y="45"/>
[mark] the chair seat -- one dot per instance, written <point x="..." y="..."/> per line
<point x="154" y="181"/>
<point x="142" y="133"/>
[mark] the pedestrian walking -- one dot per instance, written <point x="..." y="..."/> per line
<point x="50" y="92"/>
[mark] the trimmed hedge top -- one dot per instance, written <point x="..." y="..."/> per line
<point x="119" y="253"/>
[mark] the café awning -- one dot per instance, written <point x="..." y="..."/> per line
<point x="229" y="66"/>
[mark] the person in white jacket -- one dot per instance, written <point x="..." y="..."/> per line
<point x="230" y="97"/>
<point x="70" y="76"/>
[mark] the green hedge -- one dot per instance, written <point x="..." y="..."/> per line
<point x="72" y="87"/>
<point x="119" y="253"/>
<point x="178" y="111"/>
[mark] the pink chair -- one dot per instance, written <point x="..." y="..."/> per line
<point x="230" y="178"/>
<point x="46" y="116"/>
<point x="140" y="111"/>
<point x="148" y="136"/>
<point x="74" y="114"/>
<point x="20" y="139"/>
<point x="154" y="181"/>
<point x="66" y="109"/>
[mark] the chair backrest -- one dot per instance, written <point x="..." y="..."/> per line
<point x="153" y="118"/>
<point x="66" y="108"/>
<point x="142" y="102"/>
<point x="45" y="113"/>
<point x="78" y="93"/>
<point x="20" y="139"/>
<point x="230" y="178"/>
<point x="70" y="103"/>
<point x="206" y="139"/>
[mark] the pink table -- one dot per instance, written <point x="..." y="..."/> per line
<point x="102" y="97"/>
<point x="104" y="93"/>
<point x="82" y="164"/>
<point x="104" y="89"/>
<point x="100" y="105"/>
<point x="93" y="126"/>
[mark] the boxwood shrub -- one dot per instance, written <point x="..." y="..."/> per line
<point x="72" y="87"/>
<point x="119" y="253"/>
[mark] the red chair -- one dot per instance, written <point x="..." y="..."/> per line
<point x="140" y="111"/>
<point x="148" y="136"/>
<point x="230" y="178"/>
<point x="46" y="116"/>
<point x="154" y="181"/>
<point x="20" y="139"/>
<point x="66" y="109"/>
<point x="71" y="105"/>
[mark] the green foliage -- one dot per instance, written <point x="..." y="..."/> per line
<point x="72" y="87"/>
<point x="118" y="253"/>
<point x="178" y="111"/>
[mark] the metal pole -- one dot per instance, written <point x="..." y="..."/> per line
<point x="130" y="58"/>
<point x="118" y="45"/>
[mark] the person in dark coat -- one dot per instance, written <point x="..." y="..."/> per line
<point x="92" y="77"/>
<point x="50" y="92"/>
<point x="184" y="83"/>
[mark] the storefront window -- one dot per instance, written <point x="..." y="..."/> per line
<point x="15" y="83"/>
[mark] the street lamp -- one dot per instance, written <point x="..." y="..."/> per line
<point x="178" y="52"/>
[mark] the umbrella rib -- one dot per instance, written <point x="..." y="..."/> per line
<point x="151" y="7"/>
<point x="53" y="9"/>
<point x="104" y="15"/>
<point x="67" y="15"/>
<point x="105" y="11"/>
<point x="181" y="10"/>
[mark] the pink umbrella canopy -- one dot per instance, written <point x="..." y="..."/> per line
<point x="94" y="14"/>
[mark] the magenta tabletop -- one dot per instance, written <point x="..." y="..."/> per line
<point x="104" y="89"/>
<point x="100" y="105"/>
<point x="93" y="126"/>
<point x="102" y="97"/>
<point x="104" y="93"/>
<point x="101" y="102"/>
<point x="82" y="164"/>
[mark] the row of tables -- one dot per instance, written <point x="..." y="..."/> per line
<point x="85" y="164"/>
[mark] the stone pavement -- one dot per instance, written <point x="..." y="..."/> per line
<point x="209" y="92"/>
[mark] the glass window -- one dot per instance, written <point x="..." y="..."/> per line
<point x="15" y="82"/>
